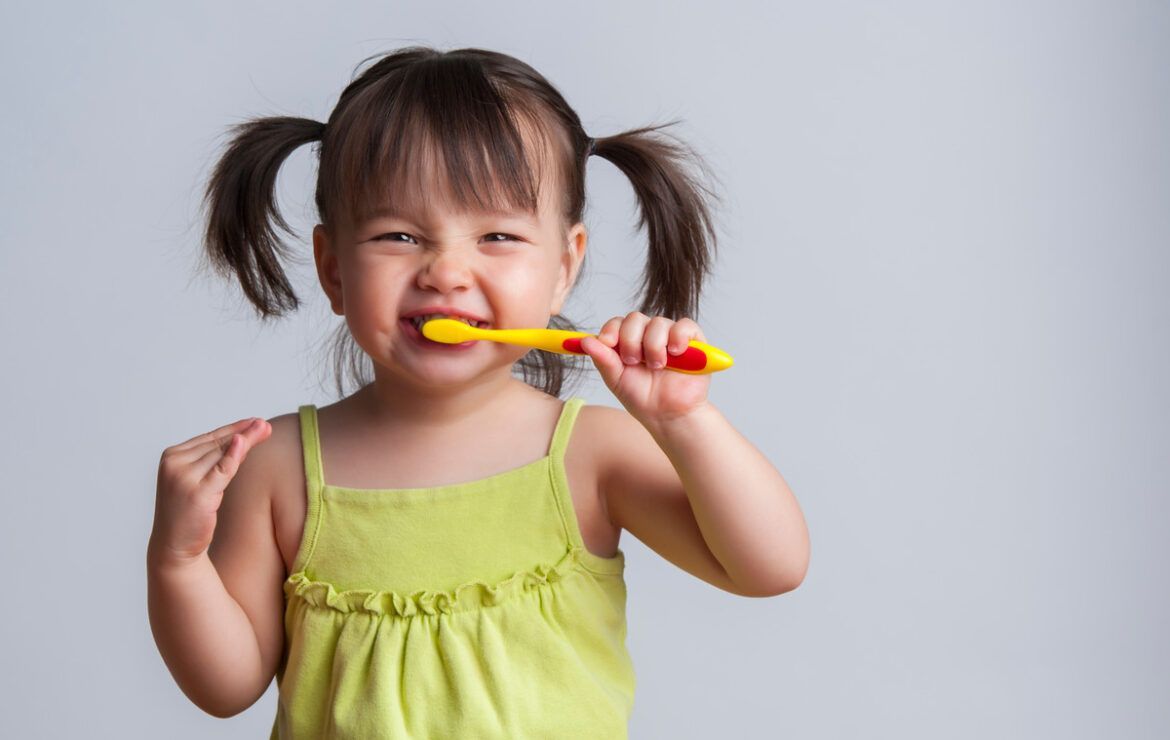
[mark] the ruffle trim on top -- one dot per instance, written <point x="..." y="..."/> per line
<point x="465" y="597"/>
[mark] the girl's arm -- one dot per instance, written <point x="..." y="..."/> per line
<point x="680" y="477"/>
<point x="749" y="517"/>
<point x="702" y="496"/>
<point x="217" y="616"/>
<point x="204" y="636"/>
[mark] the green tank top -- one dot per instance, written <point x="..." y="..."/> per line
<point x="471" y="610"/>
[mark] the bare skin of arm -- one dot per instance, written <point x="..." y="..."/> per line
<point x="216" y="606"/>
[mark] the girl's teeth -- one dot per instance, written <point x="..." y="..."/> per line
<point x="420" y="320"/>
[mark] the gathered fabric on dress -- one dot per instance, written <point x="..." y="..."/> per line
<point x="469" y="610"/>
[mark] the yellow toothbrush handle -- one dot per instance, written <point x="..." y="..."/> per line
<point x="549" y="340"/>
<point x="698" y="358"/>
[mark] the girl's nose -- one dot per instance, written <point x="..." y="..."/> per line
<point x="445" y="271"/>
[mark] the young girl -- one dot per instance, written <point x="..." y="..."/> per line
<point x="436" y="554"/>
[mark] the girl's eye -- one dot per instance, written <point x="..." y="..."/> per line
<point x="395" y="233"/>
<point x="381" y="237"/>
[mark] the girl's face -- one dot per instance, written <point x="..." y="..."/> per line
<point x="510" y="270"/>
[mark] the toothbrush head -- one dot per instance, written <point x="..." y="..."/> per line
<point x="448" y="331"/>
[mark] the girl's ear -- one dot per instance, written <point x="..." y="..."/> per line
<point x="570" y="265"/>
<point x="325" y="255"/>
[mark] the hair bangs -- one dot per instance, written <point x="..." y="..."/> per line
<point x="440" y="135"/>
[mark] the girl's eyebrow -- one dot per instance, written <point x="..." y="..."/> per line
<point x="521" y="215"/>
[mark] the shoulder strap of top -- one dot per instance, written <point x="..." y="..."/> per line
<point x="564" y="497"/>
<point x="564" y="427"/>
<point x="311" y="447"/>
<point x="314" y="482"/>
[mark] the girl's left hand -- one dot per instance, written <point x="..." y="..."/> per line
<point x="650" y="392"/>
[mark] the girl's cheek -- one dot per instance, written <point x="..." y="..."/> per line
<point x="371" y="307"/>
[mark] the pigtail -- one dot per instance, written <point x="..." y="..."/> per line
<point x="240" y="203"/>
<point x="674" y="211"/>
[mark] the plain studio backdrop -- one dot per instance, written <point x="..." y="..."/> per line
<point x="942" y="274"/>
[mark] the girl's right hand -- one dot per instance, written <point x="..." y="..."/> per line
<point x="192" y="476"/>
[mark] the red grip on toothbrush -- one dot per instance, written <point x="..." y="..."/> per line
<point x="692" y="358"/>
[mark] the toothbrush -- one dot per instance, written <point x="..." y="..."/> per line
<point x="697" y="359"/>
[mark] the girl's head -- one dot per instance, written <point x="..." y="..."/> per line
<point x="451" y="178"/>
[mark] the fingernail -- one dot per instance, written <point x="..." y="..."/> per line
<point x="631" y="360"/>
<point x="655" y="365"/>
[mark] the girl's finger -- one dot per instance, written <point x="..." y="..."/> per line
<point x="630" y="337"/>
<point x="220" y="464"/>
<point x="200" y="470"/>
<point x="252" y="434"/>
<point x="203" y="440"/>
<point x="654" y="342"/>
<point x="609" y="332"/>
<point x="683" y="331"/>
<point x="604" y="359"/>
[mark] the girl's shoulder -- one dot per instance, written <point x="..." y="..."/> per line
<point x="282" y="461"/>
<point x="595" y="430"/>
<point x="605" y="438"/>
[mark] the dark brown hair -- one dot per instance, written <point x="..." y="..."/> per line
<point x="476" y="114"/>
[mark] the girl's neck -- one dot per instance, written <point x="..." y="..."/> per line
<point x="385" y="402"/>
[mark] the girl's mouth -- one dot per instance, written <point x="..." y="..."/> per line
<point x="411" y="331"/>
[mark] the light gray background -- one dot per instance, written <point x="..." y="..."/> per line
<point x="951" y="221"/>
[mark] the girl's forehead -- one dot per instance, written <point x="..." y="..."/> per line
<point x="416" y="183"/>
<point x="426" y="203"/>
<point x="432" y="214"/>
